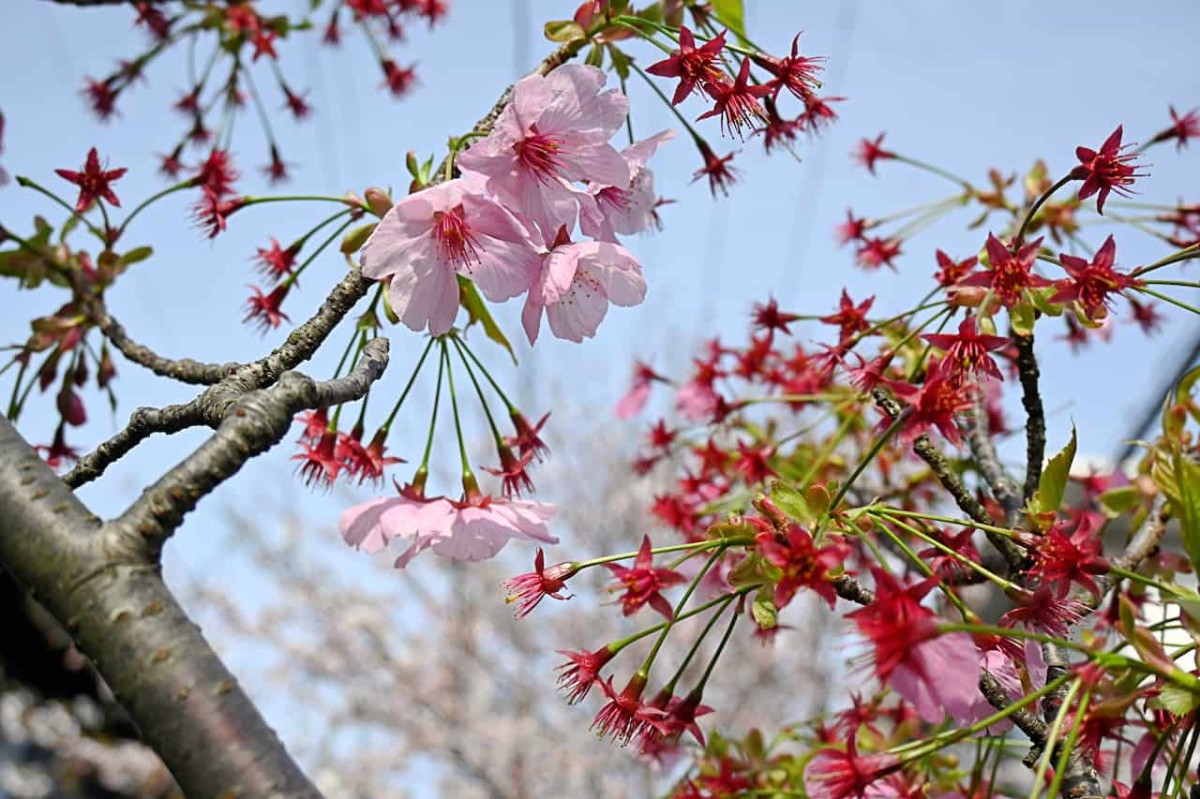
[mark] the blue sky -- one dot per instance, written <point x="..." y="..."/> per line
<point x="964" y="85"/>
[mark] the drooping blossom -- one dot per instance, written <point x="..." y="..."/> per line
<point x="94" y="182"/>
<point x="429" y="238"/>
<point x="527" y="439"/>
<point x="777" y="130"/>
<point x="266" y="310"/>
<point x="1061" y="558"/>
<point x="475" y="528"/>
<point x="397" y="79"/>
<point x="576" y="283"/>
<point x="1106" y="170"/>
<point x="853" y="229"/>
<point x="801" y="562"/>
<point x="1183" y="128"/>
<point x="319" y="463"/>
<point x="737" y="103"/>
<point x="634" y="400"/>
<point x="296" y="103"/>
<point x="720" y="175"/>
<point x="513" y="471"/>
<point x="691" y="65"/>
<point x="581" y="671"/>
<point x="1010" y="275"/>
<point x="967" y="351"/>
<point x="1091" y="283"/>
<point x="531" y="588"/>
<point x="845" y="774"/>
<point x="274" y="262"/>
<point x="868" y="151"/>
<point x="217" y="172"/>
<point x="605" y="211"/>
<point x="101" y="97"/>
<point x="554" y="131"/>
<point x="937" y="672"/>
<point x="642" y="583"/>
<point x="626" y="716"/>
<point x="818" y="112"/>
<point x="767" y="316"/>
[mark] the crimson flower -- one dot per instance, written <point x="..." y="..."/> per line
<point x="643" y="583"/>
<point x="870" y="374"/>
<point x="850" y="318"/>
<point x="398" y="80"/>
<point x="853" y="229"/>
<point x="296" y="103"/>
<point x="1061" y="558"/>
<point x="769" y="317"/>
<point x="102" y="97"/>
<point x="374" y="461"/>
<point x="264" y="310"/>
<point x="754" y="463"/>
<point x="93" y="182"/>
<point x="691" y="64"/>
<point x="57" y="454"/>
<point x="796" y="73"/>
<point x="529" y="589"/>
<point x="276" y="170"/>
<point x="581" y="671"/>
<point x="877" y="251"/>
<point x="737" y="103"/>
<point x="1146" y="315"/>
<point x="951" y="271"/>
<point x="778" y="130"/>
<point x="211" y="211"/>
<point x="838" y="774"/>
<point x="967" y="351"/>
<point x="274" y="262"/>
<point x="1090" y="284"/>
<point x="935" y="402"/>
<point x="626" y="716"/>
<point x="264" y="43"/>
<point x="1042" y="610"/>
<point x="720" y="175"/>
<point x="1106" y="170"/>
<point x="802" y="563"/>
<point x="527" y="438"/>
<point x="869" y="151"/>
<point x="1183" y="127"/>
<point x="320" y="464"/>
<point x="217" y="172"/>
<point x="1010" y="274"/>
<point x="818" y="112"/>
<point x="513" y="472"/>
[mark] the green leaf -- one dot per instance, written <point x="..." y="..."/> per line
<point x="732" y="15"/>
<point x="563" y="30"/>
<point x="1119" y="501"/>
<point x="1049" y="495"/>
<point x="1186" y="505"/>
<point x="1022" y="316"/>
<point x="792" y="502"/>
<point x="595" y="57"/>
<point x="763" y="610"/>
<point x="1176" y="700"/>
<point x="620" y="61"/>
<point x="477" y="311"/>
<point x="137" y="255"/>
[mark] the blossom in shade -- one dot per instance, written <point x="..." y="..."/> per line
<point x="58" y="453"/>
<point x="1010" y="275"/>
<point x="737" y="103"/>
<point x="691" y="65"/>
<point x="476" y="528"/>
<point x="801" y="563"/>
<point x="429" y="238"/>
<point x="635" y="399"/>
<point x="845" y="774"/>
<point x="555" y="130"/>
<point x="868" y="151"/>
<point x="967" y="351"/>
<point x="605" y="211"/>
<point x="94" y="182"/>
<point x="575" y="286"/>
<point x="643" y="584"/>
<point x="1061" y="557"/>
<point x="937" y="672"/>
<point x="581" y="671"/>
<point x="1106" y="170"/>
<point x="531" y="588"/>
<point x="720" y="175"/>
<point x="1091" y="283"/>
<point x="935" y="402"/>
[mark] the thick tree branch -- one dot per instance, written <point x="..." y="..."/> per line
<point x="1035" y="415"/>
<point x="254" y="424"/>
<point x="108" y="593"/>
<point x="143" y="423"/>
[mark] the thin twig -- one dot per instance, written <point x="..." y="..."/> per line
<point x="1035" y="415"/>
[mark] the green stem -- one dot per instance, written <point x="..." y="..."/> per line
<point x="934" y="170"/>
<point x="25" y="182"/>
<point x="437" y="398"/>
<point x="876" y="447"/>
<point x="938" y="545"/>
<point x="1191" y="251"/>
<point x="679" y="606"/>
<point x="462" y="443"/>
<point x="387" y="425"/>
<point x="149" y="201"/>
<point x="1169" y="299"/>
<point x="1033" y="209"/>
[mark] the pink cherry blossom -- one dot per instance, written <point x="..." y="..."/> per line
<point x="577" y="282"/>
<point x="555" y="130"/>
<point x="605" y="211"/>
<point x="940" y="677"/>
<point x="475" y="530"/>
<point x="431" y="237"/>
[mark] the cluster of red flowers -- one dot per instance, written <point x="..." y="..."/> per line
<point x="328" y="453"/>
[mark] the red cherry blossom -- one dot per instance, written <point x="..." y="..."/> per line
<point x="319" y="463"/>
<point x="1010" y="275"/>
<point x="398" y="80"/>
<point x="102" y="97"/>
<point x="581" y="671"/>
<point x="720" y="175"/>
<point x="868" y="151"/>
<point x="875" y="252"/>
<point x="1183" y="127"/>
<point x="217" y="173"/>
<point x="531" y="588"/>
<point x="801" y="562"/>
<point x="94" y="182"/>
<point x="690" y="64"/>
<point x="1091" y="283"/>
<point x="513" y="472"/>
<point x="275" y="262"/>
<point x="211" y="211"/>
<point x="1062" y="558"/>
<point x="967" y="351"/>
<point x="796" y="73"/>
<point x="264" y="310"/>
<point x="850" y="318"/>
<point x="1106" y="170"/>
<point x="642" y="583"/>
<point x="626" y="716"/>
<point x="737" y="103"/>
<point x="935" y="403"/>
<point x="950" y="271"/>
<point x="853" y="229"/>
